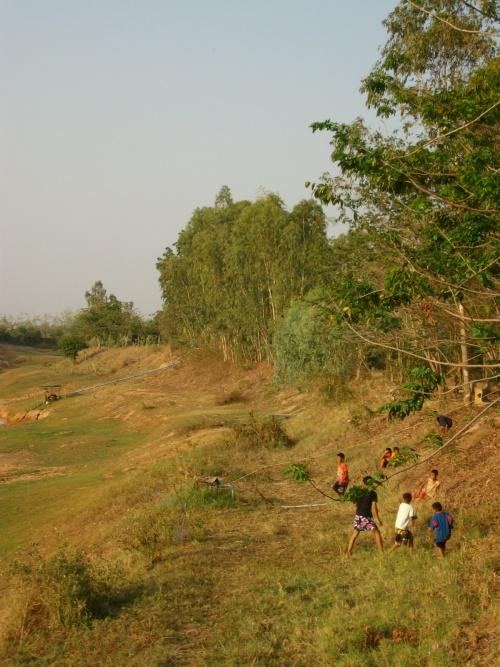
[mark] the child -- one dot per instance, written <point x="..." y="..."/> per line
<point x="406" y="516"/>
<point x="445" y="423"/>
<point x="440" y="527"/>
<point x="340" y="485"/>
<point x="394" y="460"/>
<point x="386" y="457"/>
<point x="366" y="509"/>
<point x="429" y="489"/>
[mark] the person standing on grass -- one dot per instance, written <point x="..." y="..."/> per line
<point x="405" y="517"/>
<point x="440" y="527"/>
<point x="366" y="510"/>
<point x="342" y="481"/>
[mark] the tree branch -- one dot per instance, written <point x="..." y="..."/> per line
<point x="456" y="129"/>
<point x="491" y="33"/>
<point x="414" y="355"/>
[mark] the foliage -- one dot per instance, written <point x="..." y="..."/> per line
<point x="35" y="331"/>
<point x="155" y="527"/>
<point x="298" y="472"/>
<point x="309" y="343"/>
<point x="235" y="269"/>
<point x="70" y="344"/>
<point x="65" y="589"/>
<point x="355" y="492"/>
<point x="257" y="432"/>
<point x="406" y="456"/>
<point x="429" y="190"/>
<point x="433" y="439"/>
<point x="424" y="382"/>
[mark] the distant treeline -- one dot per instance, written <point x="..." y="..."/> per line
<point x="105" y="321"/>
<point x="36" y="331"/>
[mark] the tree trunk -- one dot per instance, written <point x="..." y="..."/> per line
<point x="465" y="356"/>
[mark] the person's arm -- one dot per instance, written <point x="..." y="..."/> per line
<point x="375" y="513"/>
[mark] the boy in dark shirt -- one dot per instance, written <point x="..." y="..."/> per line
<point x="366" y="509"/>
<point x="445" y="423"/>
<point x="440" y="527"/>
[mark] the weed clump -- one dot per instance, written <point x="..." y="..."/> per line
<point x="230" y="398"/>
<point x="65" y="589"/>
<point x="158" y="526"/>
<point x="55" y="595"/>
<point x="256" y="433"/>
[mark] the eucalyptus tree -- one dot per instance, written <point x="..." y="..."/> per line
<point x="235" y="269"/>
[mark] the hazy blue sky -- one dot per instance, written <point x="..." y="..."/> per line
<point x="118" y="118"/>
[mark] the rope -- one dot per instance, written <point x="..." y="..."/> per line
<point x="414" y="465"/>
<point x="448" y="442"/>
<point x="84" y="390"/>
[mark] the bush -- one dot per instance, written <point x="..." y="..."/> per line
<point x="152" y="530"/>
<point x="70" y="344"/>
<point x="58" y="592"/>
<point x="405" y="456"/>
<point x="309" y="343"/>
<point x="261" y="432"/>
<point x="298" y="472"/>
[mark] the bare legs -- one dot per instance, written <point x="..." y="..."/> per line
<point x="378" y="539"/>
<point x="376" y="535"/>
<point x="440" y="551"/>
<point x="352" y="539"/>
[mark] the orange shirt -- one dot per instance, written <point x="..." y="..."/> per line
<point x="343" y="473"/>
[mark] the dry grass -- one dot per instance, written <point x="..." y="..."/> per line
<point x="172" y="575"/>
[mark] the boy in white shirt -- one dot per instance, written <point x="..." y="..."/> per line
<point x="406" y="516"/>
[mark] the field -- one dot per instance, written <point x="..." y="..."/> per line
<point x="111" y="554"/>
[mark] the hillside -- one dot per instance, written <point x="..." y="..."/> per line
<point x="171" y="573"/>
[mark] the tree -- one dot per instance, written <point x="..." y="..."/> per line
<point x="106" y="320"/>
<point x="430" y="190"/>
<point x="235" y="269"/>
<point x="70" y="344"/>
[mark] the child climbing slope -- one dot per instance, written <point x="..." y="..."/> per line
<point x="342" y="481"/>
<point x="440" y="527"/>
<point x="405" y="517"/>
<point x="429" y="489"/>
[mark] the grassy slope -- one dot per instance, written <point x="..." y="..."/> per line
<point x="194" y="580"/>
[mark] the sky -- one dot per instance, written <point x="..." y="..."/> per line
<point x="119" y="118"/>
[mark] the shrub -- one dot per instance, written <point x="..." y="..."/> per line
<point x="153" y="529"/>
<point x="57" y="593"/>
<point x="261" y="432"/>
<point x="298" y="472"/>
<point x="406" y="455"/>
<point x="70" y="344"/>
<point x="308" y="343"/>
<point x="206" y="496"/>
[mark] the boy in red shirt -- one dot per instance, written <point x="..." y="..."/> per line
<point x="342" y="481"/>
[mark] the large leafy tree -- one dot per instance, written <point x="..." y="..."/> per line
<point x="429" y="191"/>
<point x="106" y="320"/>
<point x="235" y="269"/>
